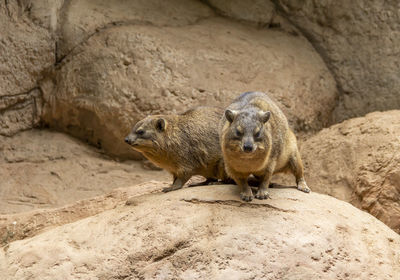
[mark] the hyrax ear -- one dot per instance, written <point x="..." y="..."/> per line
<point x="264" y="116"/>
<point x="230" y="115"/>
<point x="161" y="124"/>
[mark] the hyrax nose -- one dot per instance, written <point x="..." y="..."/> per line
<point x="248" y="147"/>
<point x="127" y="140"/>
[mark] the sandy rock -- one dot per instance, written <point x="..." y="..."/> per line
<point x="360" y="42"/>
<point x="26" y="51"/>
<point x="123" y="73"/>
<point x="44" y="169"/>
<point x="358" y="161"/>
<point x="208" y="233"/>
<point x="30" y="223"/>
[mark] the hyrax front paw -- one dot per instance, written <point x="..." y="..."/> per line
<point x="246" y="196"/>
<point x="302" y="186"/>
<point x="167" y="189"/>
<point x="172" y="188"/>
<point x="262" y="194"/>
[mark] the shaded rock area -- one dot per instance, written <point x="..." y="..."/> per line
<point x="207" y="233"/>
<point x="44" y="169"/>
<point x="359" y="161"/>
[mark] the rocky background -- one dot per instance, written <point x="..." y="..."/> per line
<point x="90" y="69"/>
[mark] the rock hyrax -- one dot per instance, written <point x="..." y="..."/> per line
<point x="256" y="139"/>
<point x="185" y="145"/>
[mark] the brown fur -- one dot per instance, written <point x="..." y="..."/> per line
<point x="185" y="144"/>
<point x="271" y="151"/>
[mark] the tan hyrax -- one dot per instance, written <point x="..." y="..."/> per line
<point x="256" y="139"/>
<point x="185" y="145"/>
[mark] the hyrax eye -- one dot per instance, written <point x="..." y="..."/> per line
<point x="257" y="134"/>
<point x="238" y="132"/>
<point x="140" y="132"/>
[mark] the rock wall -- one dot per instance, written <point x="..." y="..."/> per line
<point x="26" y="53"/>
<point x="104" y="81"/>
<point x="359" y="41"/>
<point x="115" y="67"/>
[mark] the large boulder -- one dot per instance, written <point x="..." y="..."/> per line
<point x="360" y="42"/>
<point x="125" y="66"/>
<point x="208" y="233"/>
<point x="359" y="161"/>
<point x="26" y="52"/>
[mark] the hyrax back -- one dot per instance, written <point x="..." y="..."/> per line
<point x="256" y="139"/>
<point x="185" y="144"/>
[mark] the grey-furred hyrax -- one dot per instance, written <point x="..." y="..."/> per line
<point x="184" y="144"/>
<point x="256" y="139"/>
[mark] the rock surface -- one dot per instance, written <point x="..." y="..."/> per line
<point x="257" y="11"/>
<point x="29" y="223"/>
<point x="43" y="169"/>
<point x="207" y="233"/>
<point x="360" y="42"/>
<point x="122" y="73"/>
<point x="80" y="20"/>
<point x="26" y="51"/>
<point x="359" y="161"/>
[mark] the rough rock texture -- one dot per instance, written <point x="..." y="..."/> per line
<point x="42" y="169"/>
<point x="359" y="41"/>
<point x="26" y="51"/>
<point x="257" y="11"/>
<point x="207" y="233"/>
<point x="46" y="13"/>
<point x="359" y="161"/>
<point x="121" y="73"/>
<point x="20" y="111"/>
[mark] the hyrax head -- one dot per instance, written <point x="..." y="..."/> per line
<point x="246" y="133"/>
<point x="147" y="134"/>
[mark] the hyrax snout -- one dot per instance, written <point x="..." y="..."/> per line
<point x="255" y="139"/>
<point x="184" y="144"/>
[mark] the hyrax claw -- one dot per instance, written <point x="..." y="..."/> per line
<point x="261" y="194"/>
